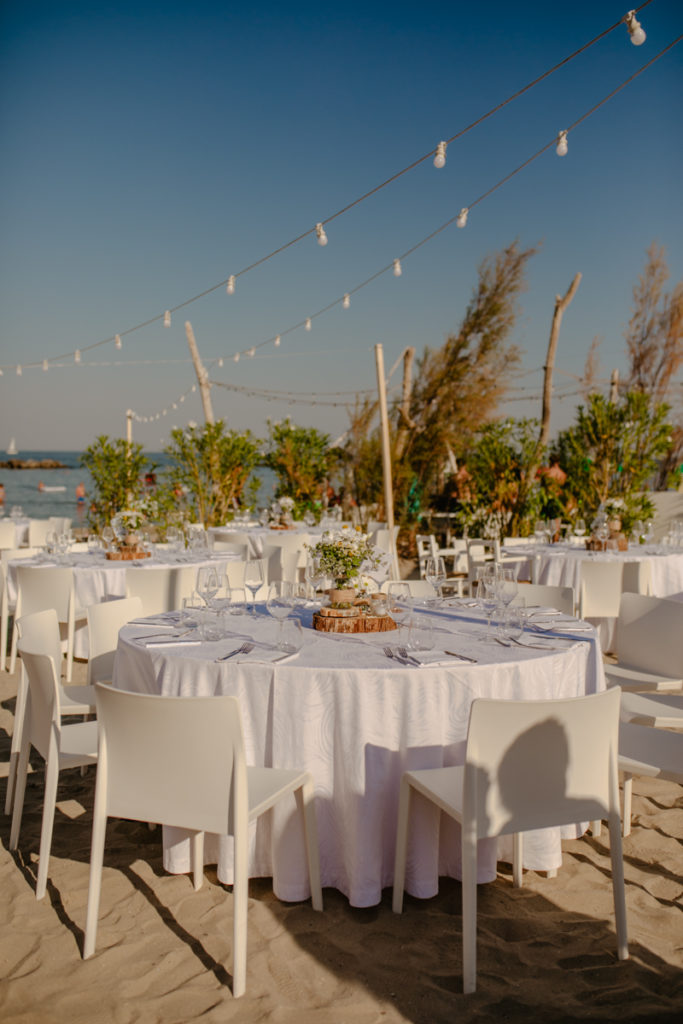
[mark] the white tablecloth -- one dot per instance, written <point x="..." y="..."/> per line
<point x="260" y="535"/>
<point x="357" y="720"/>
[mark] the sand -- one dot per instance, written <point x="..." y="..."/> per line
<point x="547" y="952"/>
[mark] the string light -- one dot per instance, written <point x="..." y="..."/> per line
<point x="346" y="301"/>
<point x="561" y="148"/>
<point x="19" y="371"/>
<point x="277" y="341"/>
<point x="251" y="353"/>
<point x="230" y="286"/>
<point x="236" y="357"/>
<point x="440" y="155"/>
<point x="77" y="356"/>
<point x="307" y="325"/>
<point x="118" y="342"/>
<point x="320" y="232"/>
<point x="220" y="361"/>
<point x="45" y="365"/>
<point x="398" y="269"/>
<point x="167" y="318"/>
<point x="461" y="219"/>
<point x="635" y="29"/>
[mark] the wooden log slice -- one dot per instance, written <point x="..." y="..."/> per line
<point x="352" y="623"/>
<point x="127" y="556"/>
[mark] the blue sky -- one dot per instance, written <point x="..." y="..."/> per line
<point x="149" y="150"/>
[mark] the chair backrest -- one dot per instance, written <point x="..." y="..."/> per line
<point x="385" y="539"/>
<point x="541" y="764"/>
<point x="226" y="547"/>
<point x="40" y="587"/>
<point x="540" y="594"/>
<point x="232" y="536"/>
<point x="162" y="588"/>
<point x="14" y="554"/>
<point x="174" y="760"/>
<point x="43" y="714"/>
<point x="37" y="532"/>
<point x="418" y="588"/>
<point x="637" y="577"/>
<point x="104" y="622"/>
<point x="39" y="634"/>
<point x="599" y="588"/>
<point x="283" y="563"/>
<point x="649" y="634"/>
<point x="62" y="524"/>
<point x="8" y="534"/>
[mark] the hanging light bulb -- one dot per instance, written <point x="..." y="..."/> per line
<point x="19" y="371"/>
<point x="193" y="388"/>
<point x="220" y="361"/>
<point x="440" y="155"/>
<point x="77" y="356"/>
<point x="182" y="398"/>
<point x="230" y="286"/>
<point x="346" y="301"/>
<point x="397" y="268"/>
<point x="320" y="232"/>
<point x="277" y="341"/>
<point x="167" y="318"/>
<point x="461" y="219"/>
<point x="236" y="357"/>
<point x="562" y="146"/>
<point x="175" y="405"/>
<point x="118" y="342"/>
<point x="251" y="353"/>
<point x="45" y="364"/>
<point x="635" y="29"/>
<point x="307" y="325"/>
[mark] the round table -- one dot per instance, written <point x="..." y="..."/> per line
<point x="357" y="720"/>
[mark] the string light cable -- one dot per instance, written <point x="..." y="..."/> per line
<point x="229" y="283"/>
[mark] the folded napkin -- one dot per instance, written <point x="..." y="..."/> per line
<point x="270" y="657"/>
<point x="171" y="642"/>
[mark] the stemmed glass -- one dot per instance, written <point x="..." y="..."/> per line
<point x="279" y="603"/>
<point x="108" y="537"/>
<point x="400" y="608"/>
<point x="253" y="579"/>
<point x="489" y="600"/>
<point x="435" y="573"/>
<point x="173" y="538"/>
<point x="208" y="583"/>
<point x="506" y="589"/>
<point x="580" y="527"/>
<point x="314" y="573"/>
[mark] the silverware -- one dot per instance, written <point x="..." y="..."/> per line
<point x="166" y="636"/>
<point x="245" y="648"/>
<point x="393" y="654"/>
<point x="463" y="657"/>
<point x="406" y="656"/>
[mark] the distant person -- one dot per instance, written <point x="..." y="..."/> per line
<point x="2" y="494"/>
<point x="80" y="493"/>
<point x="41" y="486"/>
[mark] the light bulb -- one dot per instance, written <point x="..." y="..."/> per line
<point x="440" y="155"/>
<point x="307" y="325"/>
<point x="182" y="398"/>
<point x="461" y="219"/>
<point x="562" y="146"/>
<point x="277" y="341"/>
<point x="193" y="388"/>
<point x="230" y="286"/>
<point x="19" y="371"/>
<point x="167" y="319"/>
<point x="320" y="232"/>
<point x="346" y="301"/>
<point x="398" y="270"/>
<point x="251" y="353"/>
<point x="45" y="364"/>
<point x="118" y="342"/>
<point x="635" y="29"/>
<point x="236" y="357"/>
<point x="220" y="361"/>
<point x="77" y="356"/>
<point x="175" y="405"/>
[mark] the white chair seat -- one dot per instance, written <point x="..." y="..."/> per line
<point x="77" y="700"/>
<point x="638" y="678"/>
<point x="652" y="752"/>
<point x="659" y="710"/>
<point x="265" y="786"/>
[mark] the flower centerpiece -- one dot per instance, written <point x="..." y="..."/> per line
<point x="126" y="524"/>
<point x="340" y="554"/>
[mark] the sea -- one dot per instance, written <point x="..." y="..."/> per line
<point x="21" y="485"/>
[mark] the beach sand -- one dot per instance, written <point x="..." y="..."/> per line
<point x="547" y="952"/>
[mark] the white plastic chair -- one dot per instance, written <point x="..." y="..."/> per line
<point x="6" y="605"/>
<point x="659" y="710"/>
<point x="180" y="761"/>
<point x="62" y="746"/>
<point x="241" y="551"/>
<point x="104" y="622"/>
<point x="418" y="588"/>
<point x="528" y="765"/>
<point x="545" y="596"/>
<point x="8" y="534"/>
<point x="599" y="588"/>
<point x="233" y="537"/>
<point x="162" y="588"/>
<point x="645" y="751"/>
<point x="283" y="563"/>
<point x="39" y="634"/>
<point x="40" y="587"/>
<point x="637" y="577"/>
<point x="37" y="532"/>
<point x="649" y="644"/>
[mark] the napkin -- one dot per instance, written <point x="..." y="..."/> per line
<point x="425" y="658"/>
<point x="171" y="642"/>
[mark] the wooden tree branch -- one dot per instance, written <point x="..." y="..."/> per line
<point x="560" y="306"/>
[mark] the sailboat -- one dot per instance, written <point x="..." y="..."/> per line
<point x="12" y="447"/>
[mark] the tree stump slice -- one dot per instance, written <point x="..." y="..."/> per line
<point x="351" y="621"/>
<point x="127" y="556"/>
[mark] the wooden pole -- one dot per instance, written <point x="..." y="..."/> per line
<point x="614" y="387"/>
<point x="560" y="306"/>
<point x="129" y="428"/>
<point x="202" y="375"/>
<point x="386" y="455"/>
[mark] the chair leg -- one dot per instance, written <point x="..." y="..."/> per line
<point x="469" y="911"/>
<point x="306" y="805"/>
<point x="198" y="860"/>
<point x="13" y="648"/>
<point x="240" y="893"/>
<point x="401" y="845"/>
<point x="99" y="829"/>
<point x="20" y="790"/>
<point x="49" y="801"/>
<point x="628" y="799"/>
<point x="618" y="886"/>
<point x="19" y="716"/>
<point x="69" y="650"/>
<point x="517" y="856"/>
<point x="596" y="828"/>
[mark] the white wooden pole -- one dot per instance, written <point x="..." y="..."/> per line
<point x="202" y="375"/>
<point x="129" y="427"/>
<point x="386" y="456"/>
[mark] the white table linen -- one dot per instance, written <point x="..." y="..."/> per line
<point x="357" y="720"/>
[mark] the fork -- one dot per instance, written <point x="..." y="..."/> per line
<point x="392" y="654"/>
<point x="245" y="648"/>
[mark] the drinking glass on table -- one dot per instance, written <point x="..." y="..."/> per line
<point x="580" y="527"/>
<point x="108" y="537"/>
<point x="435" y="573"/>
<point x="400" y="607"/>
<point x="253" y="580"/>
<point x="489" y="599"/>
<point x="280" y="603"/>
<point x="208" y="583"/>
<point x="314" y="573"/>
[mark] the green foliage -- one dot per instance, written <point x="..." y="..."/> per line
<point x="116" y="469"/>
<point x="610" y="453"/>
<point x="302" y="460"/>
<point x="210" y="469"/>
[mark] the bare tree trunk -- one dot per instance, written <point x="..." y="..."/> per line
<point x="614" y="387"/>
<point x="560" y="306"/>
<point x="202" y="375"/>
<point x="405" y="423"/>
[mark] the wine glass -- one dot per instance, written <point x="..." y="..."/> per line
<point x="489" y="600"/>
<point x="173" y="538"/>
<point x="435" y="573"/>
<point x="208" y="583"/>
<point x="108" y="536"/>
<point x="399" y="604"/>
<point x="314" y="573"/>
<point x="253" y="579"/>
<point x="580" y="527"/>
<point x="279" y="603"/>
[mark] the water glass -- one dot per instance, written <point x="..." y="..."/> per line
<point x="435" y="573"/>
<point x="291" y="636"/>
<point x="208" y="583"/>
<point x="280" y="603"/>
<point x="253" y="580"/>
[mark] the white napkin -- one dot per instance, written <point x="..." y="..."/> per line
<point x="171" y="642"/>
<point x="424" y="658"/>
